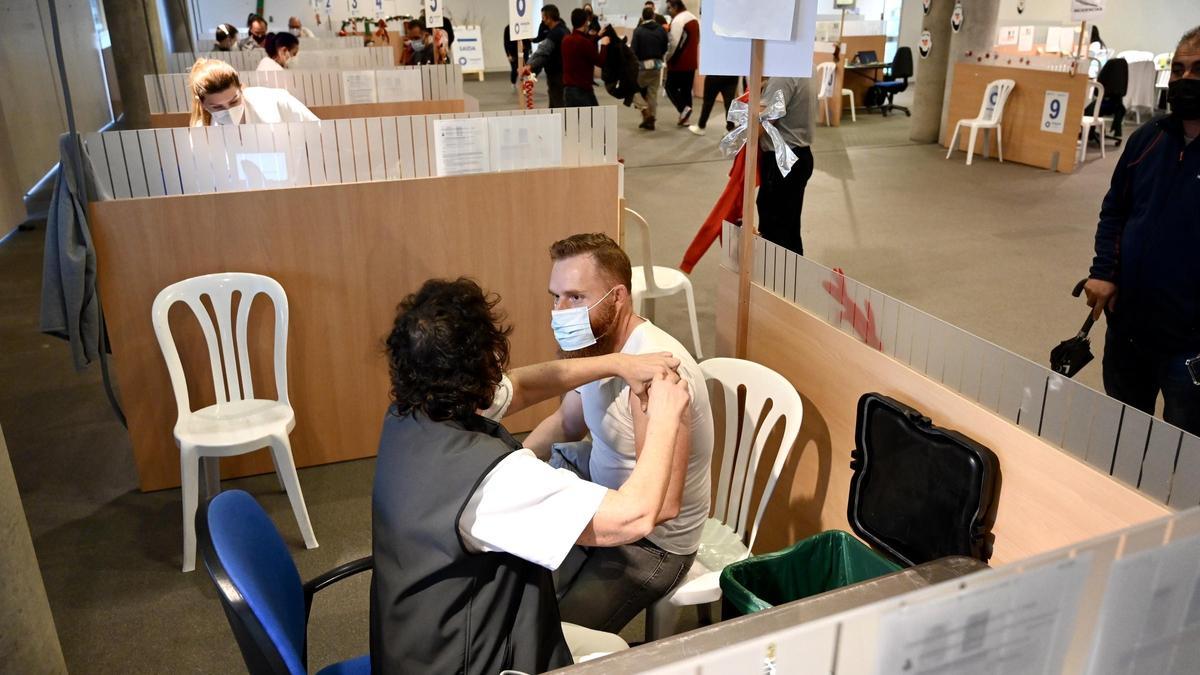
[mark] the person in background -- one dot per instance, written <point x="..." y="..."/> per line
<point x="1144" y="275"/>
<point x="218" y="98"/>
<point x="580" y="59"/>
<point x="297" y="29"/>
<point x="781" y="198"/>
<point x="593" y="22"/>
<point x="593" y="315"/>
<point x="256" y="26"/>
<point x="281" y="49"/>
<point x="226" y="38"/>
<point x="726" y="86"/>
<point x="548" y="55"/>
<point x="649" y="44"/>
<point x="466" y="587"/>
<point x="658" y="18"/>
<point x="683" y="58"/>
<point x="510" y="50"/>
<point x="418" y="44"/>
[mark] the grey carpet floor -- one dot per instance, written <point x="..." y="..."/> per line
<point x="992" y="248"/>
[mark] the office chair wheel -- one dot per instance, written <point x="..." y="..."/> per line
<point x="907" y="113"/>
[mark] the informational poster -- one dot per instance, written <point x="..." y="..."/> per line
<point x="523" y="18"/>
<point x="1087" y="10"/>
<point x="1052" y="38"/>
<point x="1150" y="614"/>
<point x="398" y="84"/>
<point x="1054" y="111"/>
<point x="525" y="141"/>
<point x="1018" y="624"/>
<point x="433" y="13"/>
<point x="1007" y="35"/>
<point x="1067" y="37"/>
<point x="461" y="146"/>
<point x="1025" y="39"/>
<point x="761" y="19"/>
<point x="358" y="86"/>
<point x="721" y="55"/>
<point x="468" y="48"/>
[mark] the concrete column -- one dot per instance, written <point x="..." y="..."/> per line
<point x="977" y="35"/>
<point x="137" y="49"/>
<point x="179" y="25"/>
<point x="931" y="85"/>
<point x="28" y="643"/>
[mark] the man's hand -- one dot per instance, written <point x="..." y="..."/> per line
<point x="526" y="71"/>
<point x="604" y="41"/>
<point x="639" y="371"/>
<point x="1100" y="295"/>
<point x="669" y="397"/>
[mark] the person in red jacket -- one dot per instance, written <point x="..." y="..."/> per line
<point x="580" y="59"/>
<point x="683" y="58"/>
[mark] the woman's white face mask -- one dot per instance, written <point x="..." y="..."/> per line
<point x="230" y="116"/>
<point x="573" y="327"/>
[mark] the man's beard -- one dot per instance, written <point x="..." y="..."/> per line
<point x="604" y="328"/>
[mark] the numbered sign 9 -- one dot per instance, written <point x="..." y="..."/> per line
<point x="1054" y="112"/>
<point x="433" y="13"/>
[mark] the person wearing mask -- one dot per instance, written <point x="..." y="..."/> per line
<point x="256" y="26"/>
<point x="580" y="59"/>
<point x="226" y="38"/>
<point x="1144" y="275"/>
<point x="593" y="22"/>
<point x="726" y="86"/>
<point x="593" y="316"/>
<point x="298" y="29"/>
<point x="683" y="58"/>
<point x="281" y="49"/>
<point x="510" y="50"/>
<point x="781" y="198"/>
<point x="467" y="586"/>
<point x="649" y="44"/>
<point x="218" y="98"/>
<point x="548" y="55"/>
<point x="418" y="44"/>
<point x="658" y="18"/>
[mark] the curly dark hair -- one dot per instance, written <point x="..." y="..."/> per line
<point x="447" y="350"/>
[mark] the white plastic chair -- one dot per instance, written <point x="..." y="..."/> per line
<point x="238" y="422"/>
<point x="827" y="73"/>
<point x="991" y="114"/>
<point x="721" y="541"/>
<point x="1093" y="120"/>
<point x="652" y="281"/>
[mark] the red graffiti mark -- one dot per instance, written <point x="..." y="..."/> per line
<point x="862" y="320"/>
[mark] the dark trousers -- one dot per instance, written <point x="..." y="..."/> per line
<point x="679" y="88"/>
<point x="726" y="86"/>
<point x="616" y="583"/>
<point x="579" y="97"/>
<point x="512" y="71"/>
<point x="554" y="86"/>
<point x="781" y="199"/>
<point x="1134" y="374"/>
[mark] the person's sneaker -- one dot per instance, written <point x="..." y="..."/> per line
<point x="696" y="130"/>
<point x="685" y="116"/>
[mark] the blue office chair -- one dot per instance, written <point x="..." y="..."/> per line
<point x="260" y="588"/>
<point x="895" y="82"/>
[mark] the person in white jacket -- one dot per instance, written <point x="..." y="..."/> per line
<point x="218" y="97"/>
<point x="281" y="49"/>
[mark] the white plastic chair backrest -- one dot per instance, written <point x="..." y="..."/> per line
<point x="1097" y="89"/>
<point x="1135" y="56"/>
<point x="643" y="228"/>
<point x="231" y="375"/>
<point x="1163" y="61"/>
<point x="994" y="97"/>
<point x="745" y="441"/>
<point x="828" y="73"/>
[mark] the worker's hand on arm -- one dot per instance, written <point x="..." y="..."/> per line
<point x="640" y="370"/>
<point x="526" y="71"/>
<point x="1101" y="295"/>
<point x="604" y="41"/>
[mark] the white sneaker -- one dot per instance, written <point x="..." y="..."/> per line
<point x="696" y="130"/>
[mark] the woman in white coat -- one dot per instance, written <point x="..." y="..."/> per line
<point x="218" y="97"/>
<point x="281" y="48"/>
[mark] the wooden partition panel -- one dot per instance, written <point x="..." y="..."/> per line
<point x="343" y="112"/>
<point x="1024" y="139"/>
<point x="346" y="255"/>
<point x="1048" y="498"/>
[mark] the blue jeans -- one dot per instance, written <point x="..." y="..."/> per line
<point x="1135" y="374"/>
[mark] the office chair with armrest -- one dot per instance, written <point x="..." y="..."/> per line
<point x="260" y="589"/>
<point x="896" y="81"/>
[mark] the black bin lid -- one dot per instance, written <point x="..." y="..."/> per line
<point x="920" y="492"/>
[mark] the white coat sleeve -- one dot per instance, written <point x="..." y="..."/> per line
<point x="292" y="110"/>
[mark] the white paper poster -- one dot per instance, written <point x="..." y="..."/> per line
<point x="358" y="86"/>
<point x="1007" y="35"/>
<point x="433" y="13"/>
<point x="721" y="55"/>
<point x="468" y="48"/>
<point x="461" y="146"/>
<point x="398" y="84"/>
<point x="1052" y="38"/>
<point x="1067" y="37"/>
<point x="1054" y="112"/>
<point x="761" y="19"/>
<point x="525" y="141"/>
<point x="1086" y="10"/>
<point x="1025" y="39"/>
<point x="523" y="18"/>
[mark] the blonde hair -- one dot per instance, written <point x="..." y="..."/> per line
<point x="208" y="76"/>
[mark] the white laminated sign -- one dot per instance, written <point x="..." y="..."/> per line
<point x="1054" y="112"/>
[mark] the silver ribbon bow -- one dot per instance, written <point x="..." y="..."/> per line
<point x="739" y="114"/>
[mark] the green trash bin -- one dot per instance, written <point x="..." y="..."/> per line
<point x="821" y="563"/>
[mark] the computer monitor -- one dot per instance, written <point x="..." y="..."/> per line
<point x="867" y="56"/>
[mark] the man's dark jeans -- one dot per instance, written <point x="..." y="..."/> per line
<point x="1135" y="374"/>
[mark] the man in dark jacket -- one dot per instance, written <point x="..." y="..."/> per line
<point x="548" y="56"/>
<point x="1145" y="275"/>
<point x="650" y="47"/>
